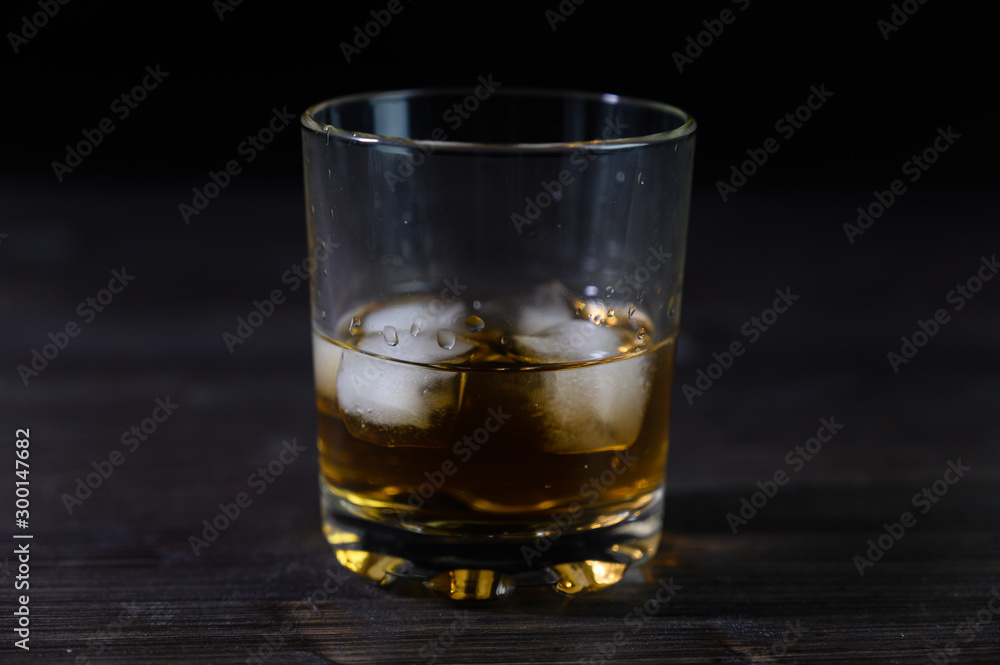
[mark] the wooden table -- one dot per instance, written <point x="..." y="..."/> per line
<point x="117" y="580"/>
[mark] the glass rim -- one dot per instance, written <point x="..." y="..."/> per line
<point x="309" y="120"/>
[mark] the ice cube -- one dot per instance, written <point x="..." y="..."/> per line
<point x="392" y="402"/>
<point x="425" y="312"/>
<point x="569" y="340"/>
<point x="593" y="407"/>
<point x="549" y="305"/>
<point x="326" y="364"/>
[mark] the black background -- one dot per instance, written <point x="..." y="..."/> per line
<point x="782" y="229"/>
<point x="226" y="75"/>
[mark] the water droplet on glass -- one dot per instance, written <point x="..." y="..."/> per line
<point x="322" y="315"/>
<point x="611" y="312"/>
<point x="417" y="326"/>
<point x="620" y="176"/>
<point x="641" y="333"/>
<point x="477" y="305"/>
<point x="590" y="291"/>
<point x="390" y="336"/>
<point x="329" y="174"/>
<point x="504" y="340"/>
<point x="610" y="291"/>
<point x="631" y="310"/>
<point x="324" y="272"/>
<point x="642" y="294"/>
<point x="446" y="339"/>
<point x="405" y="222"/>
<point x="473" y="323"/>
<point x="598" y="317"/>
<point x="640" y="179"/>
<point x="355" y="326"/>
<point x="329" y="129"/>
<point x="313" y="209"/>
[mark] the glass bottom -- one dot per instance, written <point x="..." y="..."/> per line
<point x="486" y="568"/>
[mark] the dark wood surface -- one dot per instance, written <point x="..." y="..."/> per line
<point x="117" y="581"/>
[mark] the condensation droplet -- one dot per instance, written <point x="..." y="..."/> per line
<point x="610" y="291"/>
<point x="446" y="339"/>
<point x="640" y="179"/>
<point x="417" y="326"/>
<point x="642" y="294"/>
<point x="329" y="174"/>
<point x="597" y="318"/>
<point x="611" y="312"/>
<point x="620" y="176"/>
<point x="322" y="315"/>
<point x="641" y="333"/>
<point x="631" y="310"/>
<point x="355" y="326"/>
<point x="329" y="129"/>
<point x="590" y="291"/>
<point x="504" y="340"/>
<point x="313" y="209"/>
<point x="390" y="336"/>
<point x="473" y="323"/>
<point x="477" y="305"/>
<point x="324" y="272"/>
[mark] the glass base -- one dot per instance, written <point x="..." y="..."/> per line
<point x="485" y="568"/>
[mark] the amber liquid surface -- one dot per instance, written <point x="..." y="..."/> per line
<point x="522" y="416"/>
